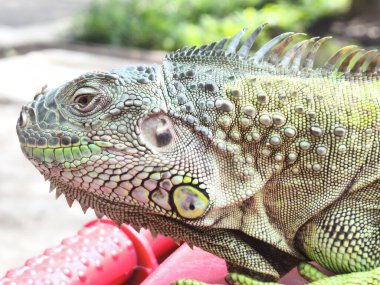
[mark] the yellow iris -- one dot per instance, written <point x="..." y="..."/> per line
<point x="190" y="202"/>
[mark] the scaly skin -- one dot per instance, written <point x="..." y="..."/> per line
<point x="264" y="160"/>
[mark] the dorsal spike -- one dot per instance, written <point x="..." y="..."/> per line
<point x="273" y="57"/>
<point x="259" y="55"/>
<point x="210" y="46"/>
<point x="220" y="45"/>
<point x="69" y="201"/>
<point x="339" y="55"/>
<point x="231" y="48"/>
<point x="283" y="52"/>
<point x="359" y="64"/>
<point x="373" y="66"/>
<point x="202" y="48"/>
<point x="190" y="50"/>
<point x="300" y="51"/>
<point x="343" y="67"/>
<point x="199" y="50"/>
<point x="183" y="49"/>
<point x="84" y="208"/>
<point x="154" y="233"/>
<point x="52" y="187"/>
<point x="290" y="54"/>
<point x="310" y="57"/>
<point x="136" y="228"/>
<point x="246" y="47"/>
<point x="58" y="193"/>
<point x="98" y="214"/>
<point x="182" y="52"/>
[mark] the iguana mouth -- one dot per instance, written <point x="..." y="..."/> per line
<point x="52" y="150"/>
<point x="61" y="155"/>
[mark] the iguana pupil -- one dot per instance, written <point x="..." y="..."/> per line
<point x="84" y="100"/>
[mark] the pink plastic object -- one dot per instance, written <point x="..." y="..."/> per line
<point x="189" y="263"/>
<point x="101" y="253"/>
<point x="200" y="265"/>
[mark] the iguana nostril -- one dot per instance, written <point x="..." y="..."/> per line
<point x="23" y="119"/>
<point x="59" y="134"/>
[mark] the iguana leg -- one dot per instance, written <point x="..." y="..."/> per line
<point x="244" y="277"/>
<point x="371" y="277"/>
<point x="241" y="279"/>
<point x="313" y="275"/>
<point x="345" y="238"/>
<point x="188" y="282"/>
<point x="310" y="272"/>
<point x="232" y="279"/>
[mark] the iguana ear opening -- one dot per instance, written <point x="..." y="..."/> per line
<point x="190" y="202"/>
<point x="157" y="131"/>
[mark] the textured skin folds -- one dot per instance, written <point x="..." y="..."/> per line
<point x="259" y="158"/>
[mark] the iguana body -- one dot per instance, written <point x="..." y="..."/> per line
<point x="261" y="159"/>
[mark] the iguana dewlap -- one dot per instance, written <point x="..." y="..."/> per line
<point x="258" y="157"/>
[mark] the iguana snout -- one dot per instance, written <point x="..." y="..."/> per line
<point x="39" y="134"/>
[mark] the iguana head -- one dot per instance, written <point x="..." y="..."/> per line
<point x="139" y="142"/>
<point x="109" y="141"/>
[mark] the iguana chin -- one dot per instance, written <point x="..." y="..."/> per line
<point x="258" y="157"/>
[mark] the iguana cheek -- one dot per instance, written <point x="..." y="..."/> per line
<point x="190" y="203"/>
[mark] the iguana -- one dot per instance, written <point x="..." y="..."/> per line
<point x="258" y="157"/>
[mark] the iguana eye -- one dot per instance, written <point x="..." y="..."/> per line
<point x="157" y="131"/>
<point x="84" y="98"/>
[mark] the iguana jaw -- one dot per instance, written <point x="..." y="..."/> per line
<point x="135" y="215"/>
<point x="218" y="240"/>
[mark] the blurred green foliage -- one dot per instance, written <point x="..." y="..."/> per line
<point x="169" y="24"/>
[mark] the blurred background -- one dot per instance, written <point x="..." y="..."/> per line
<point x="50" y="42"/>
